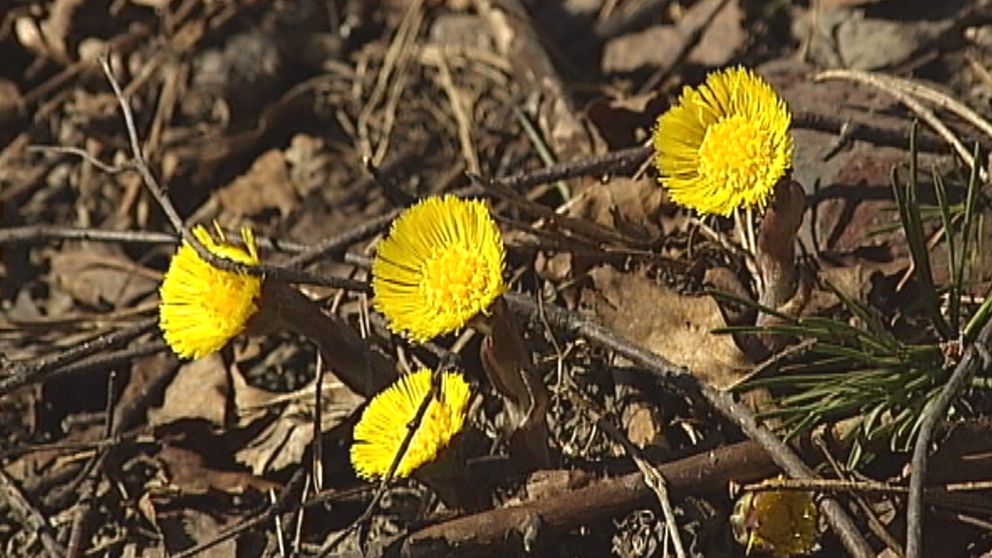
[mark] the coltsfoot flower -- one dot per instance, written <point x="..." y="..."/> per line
<point x="441" y="265"/>
<point x="386" y="419"/>
<point x="782" y="523"/>
<point x="203" y="307"/>
<point x="725" y="144"/>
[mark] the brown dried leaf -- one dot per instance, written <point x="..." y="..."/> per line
<point x="509" y="367"/>
<point x="846" y="3"/>
<point x="631" y="52"/>
<point x="200" y="390"/>
<point x="284" y="440"/>
<point x="658" y="46"/>
<point x="100" y="275"/>
<point x="852" y="200"/>
<point x="183" y="528"/>
<point x="643" y="424"/>
<point x="848" y="37"/>
<point x="148" y="375"/>
<point x="624" y="204"/>
<point x="156" y="4"/>
<point x="722" y="38"/>
<point x="671" y="325"/>
<point x="188" y="475"/>
<point x="266" y="186"/>
<point x="626" y="121"/>
<point x="11" y="108"/>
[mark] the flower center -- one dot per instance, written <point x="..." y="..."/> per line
<point x="453" y="279"/>
<point x="735" y="152"/>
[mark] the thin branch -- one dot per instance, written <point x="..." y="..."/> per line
<point x="975" y="358"/>
<point x="26" y="372"/>
<point x="109" y="169"/>
<point x="608" y="163"/>
<point x="99" y="362"/>
<point x="32" y="234"/>
<point x="902" y="92"/>
<point x="785" y="458"/>
<point x="860" y="131"/>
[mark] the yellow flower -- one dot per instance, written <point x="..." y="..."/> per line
<point x="203" y="307"/>
<point x="725" y="144"/>
<point x="441" y="265"/>
<point x="782" y="523"/>
<point x="384" y="424"/>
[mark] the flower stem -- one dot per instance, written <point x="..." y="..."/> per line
<point x="360" y="368"/>
<point x="509" y="367"/>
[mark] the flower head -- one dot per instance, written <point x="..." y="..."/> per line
<point x="384" y="424"/>
<point x="782" y="523"/>
<point x="203" y="307"/>
<point x="725" y="144"/>
<point x="441" y="265"/>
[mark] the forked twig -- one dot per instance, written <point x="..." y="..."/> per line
<point x="976" y="357"/>
<point x="906" y="93"/>
<point x="139" y="164"/>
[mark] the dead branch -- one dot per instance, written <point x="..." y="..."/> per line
<point x="496" y="532"/>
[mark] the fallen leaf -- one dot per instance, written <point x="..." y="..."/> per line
<point x="184" y="527"/>
<point x="626" y="121"/>
<point x="12" y="110"/>
<point x="148" y="375"/>
<point x="187" y="474"/>
<point x="200" y="390"/>
<point x="265" y="187"/>
<point x="627" y="205"/>
<point x="674" y="326"/>
<point x="642" y="423"/>
<point x="722" y="38"/>
<point x="99" y="275"/>
<point x="284" y="440"/>
<point x="846" y="37"/>
<point x="658" y="46"/>
<point x="849" y="194"/>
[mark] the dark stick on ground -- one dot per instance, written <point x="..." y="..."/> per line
<point x="98" y="362"/>
<point x="866" y="132"/>
<point x="90" y="477"/>
<point x="23" y="373"/>
<point x="976" y="357"/>
<point x="34" y="234"/>
<point x="784" y="457"/>
<point x="31" y="234"/>
<point x="495" y="532"/>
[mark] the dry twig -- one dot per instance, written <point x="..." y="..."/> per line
<point x="976" y="357"/>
